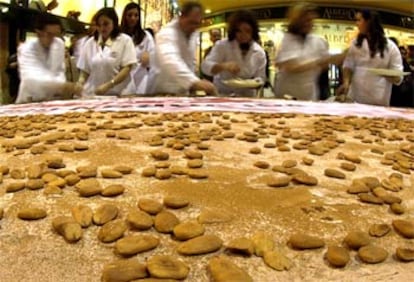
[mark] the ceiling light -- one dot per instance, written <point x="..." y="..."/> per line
<point x="207" y="11"/>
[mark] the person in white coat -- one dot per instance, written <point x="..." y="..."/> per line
<point x="175" y="55"/>
<point x="41" y="63"/>
<point x="239" y="56"/>
<point x="371" y="49"/>
<point x="81" y="40"/>
<point x="144" y="47"/>
<point x="301" y="56"/>
<point x="107" y="58"/>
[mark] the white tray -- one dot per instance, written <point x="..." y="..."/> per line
<point x="387" y="72"/>
<point x="242" y="83"/>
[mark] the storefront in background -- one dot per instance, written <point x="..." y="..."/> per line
<point x="154" y="12"/>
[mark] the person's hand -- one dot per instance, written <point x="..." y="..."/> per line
<point x="392" y="79"/>
<point x="145" y="59"/>
<point x="231" y="67"/>
<point x="70" y="90"/>
<point x="77" y="90"/>
<point x="343" y="89"/>
<point x="206" y="86"/>
<point x="103" y="88"/>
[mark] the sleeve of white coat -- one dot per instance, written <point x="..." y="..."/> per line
<point x="168" y="54"/>
<point x="30" y="65"/>
<point x="286" y="52"/>
<point x="149" y="45"/>
<point x="84" y="61"/>
<point x="324" y="48"/>
<point x="350" y="59"/>
<point x="260" y="63"/>
<point x="60" y="59"/>
<point x="129" y="56"/>
<point x="395" y="62"/>
<point x="216" y="56"/>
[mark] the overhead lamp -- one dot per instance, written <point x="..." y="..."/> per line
<point x="207" y="11"/>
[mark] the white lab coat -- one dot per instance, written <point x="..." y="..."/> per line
<point x="140" y="75"/>
<point x="366" y="87"/>
<point x="79" y="46"/>
<point x="252" y="65"/>
<point x="174" y="61"/>
<point x="42" y="71"/>
<point x="103" y="65"/>
<point x="301" y="85"/>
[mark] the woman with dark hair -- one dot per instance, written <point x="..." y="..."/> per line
<point x="106" y="58"/>
<point x="371" y="49"/>
<point x="302" y="56"/>
<point x="239" y="56"/>
<point x="144" y="47"/>
<point x="403" y="95"/>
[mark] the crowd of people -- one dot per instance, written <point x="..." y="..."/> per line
<point x="123" y="58"/>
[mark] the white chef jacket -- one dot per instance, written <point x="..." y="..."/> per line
<point x="366" y="87"/>
<point x="42" y="71"/>
<point x="301" y="85"/>
<point x="174" y="61"/>
<point x="140" y="74"/>
<point x="252" y="65"/>
<point x="79" y="46"/>
<point x="103" y="65"/>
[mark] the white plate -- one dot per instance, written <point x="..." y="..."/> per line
<point x="387" y="72"/>
<point x="242" y="83"/>
<point x="200" y="93"/>
<point x="104" y="97"/>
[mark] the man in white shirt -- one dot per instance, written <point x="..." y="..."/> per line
<point x="41" y="63"/>
<point x="175" y="55"/>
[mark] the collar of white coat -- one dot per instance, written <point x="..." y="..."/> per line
<point x="254" y="47"/>
<point x="108" y="42"/>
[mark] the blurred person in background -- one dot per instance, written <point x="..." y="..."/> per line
<point x="371" y="49"/>
<point x="238" y="56"/>
<point x="144" y="48"/>
<point x="41" y="64"/>
<point x="175" y="55"/>
<point x="302" y="56"/>
<point x="107" y="58"/>
<point x="12" y="70"/>
<point x="403" y="95"/>
<point x="76" y="44"/>
<point x="215" y="35"/>
<point x="80" y="40"/>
